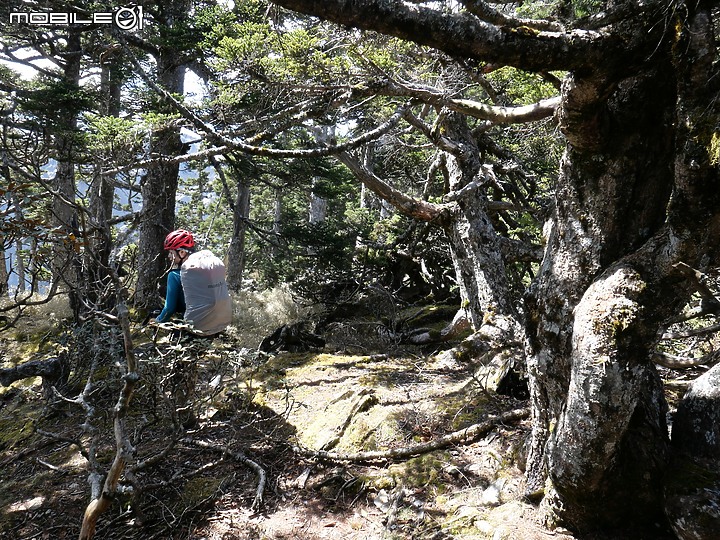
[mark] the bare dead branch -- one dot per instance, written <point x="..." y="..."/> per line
<point x="700" y="281"/>
<point x="26" y="301"/>
<point x="52" y="371"/>
<point x="487" y="13"/>
<point x="460" y="323"/>
<point x="709" y="304"/>
<point x="464" y="436"/>
<point x="225" y="144"/>
<point x="123" y="448"/>
<point x="691" y="333"/>
<point x="491" y="113"/>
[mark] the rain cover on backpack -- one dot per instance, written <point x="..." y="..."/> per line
<point x="207" y="301"/>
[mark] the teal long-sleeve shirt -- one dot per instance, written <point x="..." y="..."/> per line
<point x="174" y="297"/>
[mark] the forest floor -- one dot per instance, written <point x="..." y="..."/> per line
<point x="266" y="410"/>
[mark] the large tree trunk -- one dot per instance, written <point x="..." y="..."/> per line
<point x="609" y="446"/>
<point x="610" y="197"/>
<point x="65" y="263"/>
<point x="479" y="266"/>
<point x="636" y="195"/>
<point x="475" y="245"/>
<point x="607" y="284"/>
<point x="102" y="192"/>
<point x="158" y="193"/>
<point x="693" y="482"/>
<point x="236" y="250"/>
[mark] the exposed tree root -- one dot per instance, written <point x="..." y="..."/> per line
<point x="464" y="436"/>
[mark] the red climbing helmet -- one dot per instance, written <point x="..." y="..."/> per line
<point x="180" y="239"/>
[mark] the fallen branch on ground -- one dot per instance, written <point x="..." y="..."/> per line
<point x="464" y="436"/>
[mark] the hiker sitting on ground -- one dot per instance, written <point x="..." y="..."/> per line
<point x="196" y="286"/>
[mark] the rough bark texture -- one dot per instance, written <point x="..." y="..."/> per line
<point x="610" y="197"/>
<point x="236" y="250"/>
<point x="4" y="276"/>
<point x="102" y="196"/>
<point x="696" y="424"/>
<point x="471" y="37"/>
<point x="158" y="194"/>
<point x="479" y="266"/>
<point x="693" y="485"/>
<point x="610" y="442"/>
<point x="667" y="180"/>
<point x="475" y="247"/>
<point x="54" y="373"/>
<point x="65" y="264"/>
<point x="474" y="242"/>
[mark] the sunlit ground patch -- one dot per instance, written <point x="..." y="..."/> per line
<point x="27" y="504"/>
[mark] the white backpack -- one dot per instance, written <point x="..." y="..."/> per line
<point x="208" y="308"/>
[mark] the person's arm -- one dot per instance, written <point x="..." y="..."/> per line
<point x="172" y="297"/>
